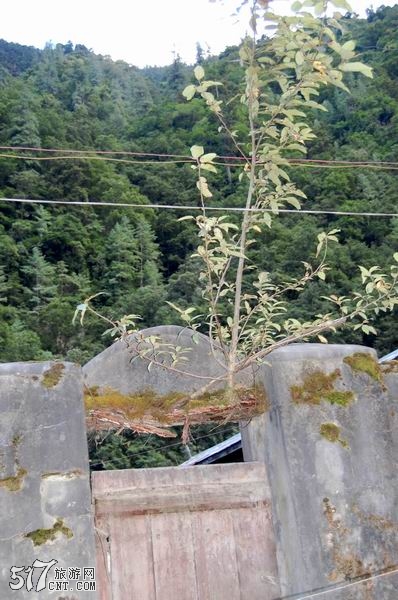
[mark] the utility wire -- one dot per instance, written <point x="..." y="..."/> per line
<point x="74" y="151"/>
<point x="198" y="208"/>
<point x="89" y="154"/>
<point x="93" y="157"/>
<point x="304" y="162"/>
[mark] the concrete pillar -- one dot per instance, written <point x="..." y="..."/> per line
<point x="45" y="501"/>
<point x="330" y="443"/>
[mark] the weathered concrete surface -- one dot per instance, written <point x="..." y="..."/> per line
<point x="335" y="508"/>
<point x="117" y="367"/>
<point x="44" y="475"/>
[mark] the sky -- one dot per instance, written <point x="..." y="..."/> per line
<point x="141" y="32"/>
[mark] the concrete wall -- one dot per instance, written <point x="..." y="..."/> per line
<point x="120" y="368"/>
<point x="330" y="444"/>
<point x="45" y="502"/>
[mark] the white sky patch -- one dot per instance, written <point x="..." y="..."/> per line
<point x="139" y="32"/>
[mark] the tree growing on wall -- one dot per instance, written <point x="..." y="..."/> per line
<point x="247" y="312"/>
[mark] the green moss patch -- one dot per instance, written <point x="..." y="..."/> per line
<point x="53" y="375"/>
<point x="166" y="408"/>
<point x="331" y="432"/>
<point x="15" y="482"/>
<point x="362" y="362"/>
<point x="134" y="406"/>
<point x="340" y="398"/>
<point x="42" y="536"/>
<point x="318" y="386"/>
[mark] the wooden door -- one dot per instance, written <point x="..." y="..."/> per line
<point x="195" y="533"/>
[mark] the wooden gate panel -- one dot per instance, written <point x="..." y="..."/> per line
<point x="131" y="557"/>
<point x="253" y="540"/>
<point x="199" y="533"/>
<point x="215" y="553"/>
<point x="173" y="556"/>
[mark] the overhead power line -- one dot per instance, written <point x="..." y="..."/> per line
<point x="223" y="209"/>
<point x="75" y="151"/>
<point x="108" y="155"/>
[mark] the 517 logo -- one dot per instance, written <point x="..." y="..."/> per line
<point x="18" y="581"/>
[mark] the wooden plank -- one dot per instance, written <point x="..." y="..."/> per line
<point x="103" y="482"/>
<point x="131" y="558"/>
<point x="173" y="557"/>
<point x="207" y="496"/>
<point x="215" y="554"/>
<point x="102" y="547"/>
<point x="198" y="488"/>
<point x="256" y="553"/>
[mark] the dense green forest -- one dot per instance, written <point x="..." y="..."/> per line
<point x="53" y="256"/>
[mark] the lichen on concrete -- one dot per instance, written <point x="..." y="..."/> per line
<point x="63" y="474"/>
<point x="43" y="536"/>
<point x="347" y="564"/>
<point x="53" y="375"/>
<point x="363" y="362"/>
<point x="318" y="386"/>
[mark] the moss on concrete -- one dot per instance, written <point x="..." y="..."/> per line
<point x="135" y="406"/>
<point x="149" y="404"/>
<point x="389" y="367"/>
<point x="15" y="482"/>
<point x="331" y="432"/>
<point x="318" y="386"/>
<point x="362" y="362"/>
<point x="43" y="536"/>
<point x="340" y="398"/>
<point x="53" y="375"/>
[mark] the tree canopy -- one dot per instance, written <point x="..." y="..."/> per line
<point x="66" y="97"/>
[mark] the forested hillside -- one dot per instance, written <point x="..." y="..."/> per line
<point x="53" y="256"/>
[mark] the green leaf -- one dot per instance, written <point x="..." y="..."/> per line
<point x="199" y="72"/>
<point x="294" y="202"/>
<point x="296" y="6"/>
<point x="349" y="46"/>
<point x="341" y="4"/>
<point x="357" y="67"/>
<point x="176" y="308"/>
<point x="208" y="167"/>
<point x="81" y="308"/>
<point x="299" y="58"/>
<point x="189" y="92"/>
<point x="267" y="219"/>
<point x="202" y="186"/>
<point x="197" y="151"/>
<point x="207" y="158"/>
<point x="195" y="338"/>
